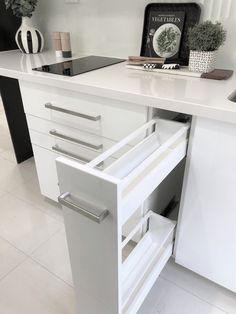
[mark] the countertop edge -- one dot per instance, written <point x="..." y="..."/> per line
<point x="143" y="100"/>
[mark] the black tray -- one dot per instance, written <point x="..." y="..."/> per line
<point x="192" y="12"/>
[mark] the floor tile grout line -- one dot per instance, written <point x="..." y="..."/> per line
<point x="58" y="230"/>
<point x="38" y="263"/>
<point x="14" y="268"/>
<point x="44" y="242"/>
<point x="11" y="244"/>
<point x="35" y="206"/>
<point x="29" y="254"/>
<point x="55" y="275"/>
<point x="32" y="203"/>
<point x="195" y="295"/>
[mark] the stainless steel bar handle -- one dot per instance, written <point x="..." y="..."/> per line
<point x="75" y="140"/>
<point x="73" y="113"/>
<point x="69" y="154"/>
<point x="95" y="216"/>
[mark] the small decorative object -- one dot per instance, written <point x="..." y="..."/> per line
<point x="166" y="28"/>
<point x="66" y="45"/>
<point x="57" y="44"/>
<point x="28" y="38"/>
<point x="171" y="66"/>
<point x="204" y="41"/>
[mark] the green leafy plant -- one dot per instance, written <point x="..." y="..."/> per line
<point x="206" y="36"/>
<point x="21" y="8"/>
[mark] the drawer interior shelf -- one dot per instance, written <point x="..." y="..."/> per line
<point x="128" y="264"/>
<point x="146" y="260"/>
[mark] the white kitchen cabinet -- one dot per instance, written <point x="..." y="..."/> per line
<point x="206" y="237"/>
<point x="79" y="126"/>
<point x="113" y="273"/>
<point x="113" y="102"/>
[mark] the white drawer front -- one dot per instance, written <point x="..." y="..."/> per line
<point x="47" y="174"/>
<point x="110" y="197"/>
<point x="53" y="144"/>
<point x="48" y="134"/>
<point x="101" y="116"/>
<point x="45" y="160"/>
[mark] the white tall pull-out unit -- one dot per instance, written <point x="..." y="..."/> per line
<point x="115" y="266"/>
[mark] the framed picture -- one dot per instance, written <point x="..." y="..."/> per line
<point x="165" y="30"/>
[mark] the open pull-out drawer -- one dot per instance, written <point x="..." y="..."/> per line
<point x="114" y="270"/>
<point x="146" y="260"/>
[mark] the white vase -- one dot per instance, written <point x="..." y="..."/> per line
<point x="28" y="38"/>
<point x="202" y="61"/>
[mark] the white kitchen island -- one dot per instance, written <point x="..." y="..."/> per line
<point x="102" y="108"/>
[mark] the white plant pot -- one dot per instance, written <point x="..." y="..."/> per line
<point x="28" y="38"/>
<point x="202" y="61"/>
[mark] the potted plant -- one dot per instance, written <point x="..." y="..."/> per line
<point x="28" y="38"/>
<point x="204" y="41"/>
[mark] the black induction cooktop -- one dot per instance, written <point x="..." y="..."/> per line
<point x="78" y="66"/>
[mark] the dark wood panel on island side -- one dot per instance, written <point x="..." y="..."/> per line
<point x="10" y="91"/>
<point x="12" y="102"/>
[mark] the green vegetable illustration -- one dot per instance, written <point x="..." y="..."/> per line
<point x="168" y="40"/>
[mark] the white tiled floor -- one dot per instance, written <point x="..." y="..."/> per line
<point x="35" y="274"/>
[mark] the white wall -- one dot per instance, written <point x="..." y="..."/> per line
<point x="111" y="27"/>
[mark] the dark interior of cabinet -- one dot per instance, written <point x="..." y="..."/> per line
<point x="165" y="200"/>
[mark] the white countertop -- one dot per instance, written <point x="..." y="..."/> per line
<point x="195" y="96"/>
